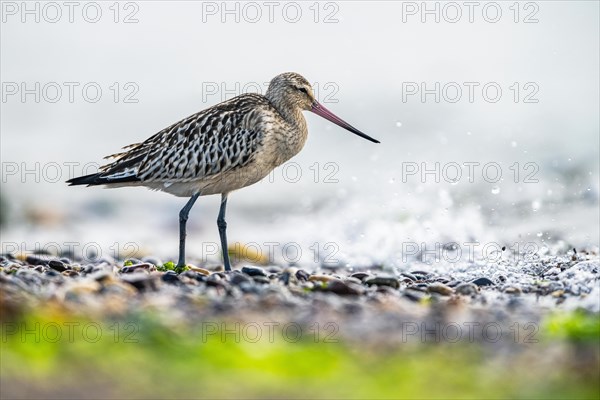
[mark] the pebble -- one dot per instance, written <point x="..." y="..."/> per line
<point x="483" y="282"/>
<point x="88" y="269"/>
<point x="215" y="280"/>
<point x="37" y="260"/>
<point x="467" y="289"/>
<point x="171" y="277"/>
<point x="420" y="275"/>
<point x="57" y="265"/>
<point x="140" y="281"/>
<point x="409" y="276"/>
<point x="512" y="290"/>
<point x="249" y="287"/>
<point x="254" y="271"/>
<point x="344" y="288"/>
<point x="352" y="280"/>
<point x="135" y="267"/>
<point x="322" y="278"/>
<point x="302" y="275"/>
<point x="239" y="278"/>
<point x="199" y="270"/>
<point x="52" y="272"/>
<point x="440" y="288"/>
<point x="360" y="275"/>
<point x="383" y="281"/>
<point x="194" y="275"/>
<point x="261" y="279"/>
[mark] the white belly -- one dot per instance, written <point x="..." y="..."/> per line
<point x="220" y="183"/>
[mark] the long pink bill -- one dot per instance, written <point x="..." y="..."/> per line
<point x="318" y="109"/>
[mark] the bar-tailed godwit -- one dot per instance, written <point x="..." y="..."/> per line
<point x="223" y="148"/>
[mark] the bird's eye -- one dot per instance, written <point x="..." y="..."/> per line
<point x="302" y="89"/>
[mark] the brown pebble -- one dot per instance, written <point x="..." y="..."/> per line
<point x="440" y="288"/>
<point x="321" y="278"/>
<point x="344" y="288"/>
<point x="512" y="290"/>
<point x="199" y="270"/>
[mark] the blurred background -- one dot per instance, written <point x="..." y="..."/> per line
<point x="510" y="89"/>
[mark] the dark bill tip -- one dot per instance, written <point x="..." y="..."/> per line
<point x="321" y="111"/>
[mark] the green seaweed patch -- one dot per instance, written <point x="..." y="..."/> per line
<point x="171" y="266"/>
<point x="271" y="366"/>
<point x="128" y="263"/>
<point x="576" y="326"/>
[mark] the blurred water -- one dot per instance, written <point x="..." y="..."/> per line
<point x="341" y="195"/>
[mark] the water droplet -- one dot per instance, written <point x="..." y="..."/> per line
<point x="539" y="234"/>
<point x="469" y="133"/>
<point x="392" y="180"/>
<point x="513" y="143"/>
<point x="398" y="124"/>
<point x="535" y="205"/>
<point x="495" y="190"/>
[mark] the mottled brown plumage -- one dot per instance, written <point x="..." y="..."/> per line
<point x="220" y="149"/>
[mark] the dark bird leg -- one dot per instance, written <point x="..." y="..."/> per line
<point x="183" y="217"/>
<point x="223" y="231"/>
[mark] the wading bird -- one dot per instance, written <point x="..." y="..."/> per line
<point x="226" y="147"/>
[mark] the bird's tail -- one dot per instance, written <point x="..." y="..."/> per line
<point x="101" y="179"/>
<point x="119" y="172"/>
<point x="90" y="180"/>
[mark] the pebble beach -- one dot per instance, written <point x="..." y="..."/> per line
<point x="512" y="315"/>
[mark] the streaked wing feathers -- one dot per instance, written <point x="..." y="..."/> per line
<point x="215" y="140"/>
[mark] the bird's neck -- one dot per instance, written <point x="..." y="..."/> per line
<point x="294" y="117"/>
<point x="291" y="113"/>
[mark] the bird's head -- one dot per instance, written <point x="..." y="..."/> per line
<point x="292" y="92"/>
